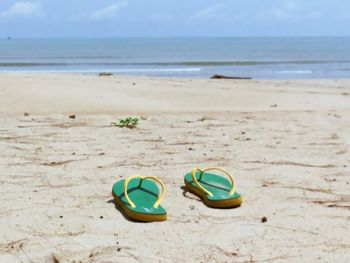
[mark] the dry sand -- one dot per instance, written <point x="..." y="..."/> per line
<point x="287" y="143"/>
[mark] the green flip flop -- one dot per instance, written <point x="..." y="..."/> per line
<point x="140" y="198"/>
<point x="214" y="190"/>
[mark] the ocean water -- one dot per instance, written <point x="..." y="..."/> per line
<point x="260" y="58"/>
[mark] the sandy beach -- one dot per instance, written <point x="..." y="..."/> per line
<point x="287" y="143"/>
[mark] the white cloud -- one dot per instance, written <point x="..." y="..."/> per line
<point x="23" y="9"/>
<point x="208" y="13"/>
<point x="109" y="11"/>
<point x="218" y="13"/>
<point x="289" y="10"/>
<point x="291" y="5"/>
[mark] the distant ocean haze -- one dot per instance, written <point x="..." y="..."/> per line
<point x="261" y="58"/>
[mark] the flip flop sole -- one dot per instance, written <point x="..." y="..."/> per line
<point x="138" y="216"/>
<point x="227" y="203"/>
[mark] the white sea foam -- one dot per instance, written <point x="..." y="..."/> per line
<point x="132" y="70"/>
<point x="295" y="71"/>
<point x="136" y="70"/>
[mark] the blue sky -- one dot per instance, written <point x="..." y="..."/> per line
<point x="168" y="18"/>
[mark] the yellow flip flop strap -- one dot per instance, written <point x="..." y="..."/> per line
<point x="160" y="196"/>
<point x="233" y="185"/>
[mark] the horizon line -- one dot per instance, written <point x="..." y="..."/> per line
<point x="115" y="37"/>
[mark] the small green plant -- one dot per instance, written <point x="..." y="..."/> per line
<point x="129" y="122"/>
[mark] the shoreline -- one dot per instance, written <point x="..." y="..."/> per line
<point x="91" y="94"/>
<point x="111" y="73"/>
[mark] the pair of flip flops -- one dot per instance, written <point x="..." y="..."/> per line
<point x="140" y="197"/>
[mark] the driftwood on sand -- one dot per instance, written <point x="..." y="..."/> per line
<point x="228" y="77"/>
<point x="105" y="74"/>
